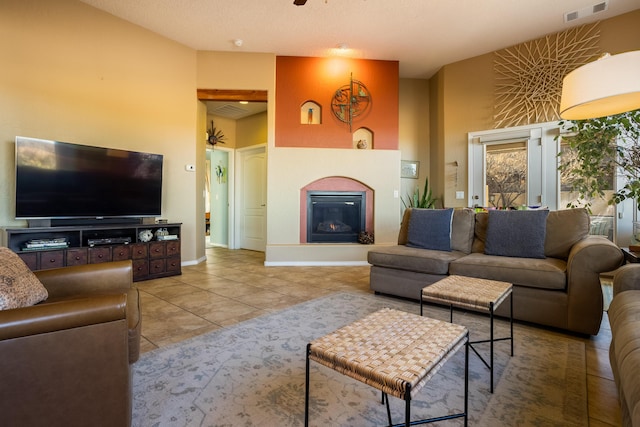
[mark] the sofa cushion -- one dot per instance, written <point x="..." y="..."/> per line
<point x="430" y="229"/>
<point x="480" y="232"/>
<point x="19" y="287"/>
<point x="516" y="233"/>
<point x="403" y="257"/>
<point x="548" y="273"/>
<point x="565" y="228"/>
<point x="462" y="229"/>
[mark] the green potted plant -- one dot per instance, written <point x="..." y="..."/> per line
<point x="426" y="200"/>
<point x="600" y="146"/>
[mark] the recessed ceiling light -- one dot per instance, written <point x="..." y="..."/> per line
<point x="244" y="102"/>
<point x="238" y="42"/>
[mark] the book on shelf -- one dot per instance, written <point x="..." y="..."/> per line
<point x="37" y="244"/>
<point x="168" y="237"/>
<point x="41" y="247"/>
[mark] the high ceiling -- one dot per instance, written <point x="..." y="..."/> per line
<point x="423" y="35"/>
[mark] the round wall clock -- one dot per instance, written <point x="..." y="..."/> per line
<point x="350" y="101"/>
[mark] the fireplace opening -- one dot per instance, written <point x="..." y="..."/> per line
<point x="335" y="216"/>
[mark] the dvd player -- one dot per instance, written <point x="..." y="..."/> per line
<point x="109" y="241"/>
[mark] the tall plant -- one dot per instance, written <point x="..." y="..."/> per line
<point x="600" y="147"/>
<point x="426" y="200"/>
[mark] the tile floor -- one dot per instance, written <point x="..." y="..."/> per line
<point x="234" y="285"/>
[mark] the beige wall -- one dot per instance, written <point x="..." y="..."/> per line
<point x="462" y="101"/>
<point x="228" y="128"/>
<point x="73" y="73"/>
<point x="414" y="130"/>
<point x="252" y="130"/>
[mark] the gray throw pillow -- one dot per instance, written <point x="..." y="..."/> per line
<point x="430" y="229"/>
<point x="516" y="233"/>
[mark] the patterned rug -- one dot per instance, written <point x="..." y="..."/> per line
<point x="253" y="374"/>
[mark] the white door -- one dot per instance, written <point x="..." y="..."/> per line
<point x="253" y="200"/>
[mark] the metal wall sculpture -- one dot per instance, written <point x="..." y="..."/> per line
<point x="529" y="75"/>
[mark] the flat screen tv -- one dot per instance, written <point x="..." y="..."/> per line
<point x="61" y="180"/>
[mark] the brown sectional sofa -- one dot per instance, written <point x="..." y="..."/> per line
<point x="561" y="290"/>
<point x="624" y="352"/>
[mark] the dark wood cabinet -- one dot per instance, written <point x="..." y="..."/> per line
<point x="77" y="256"/>
<point x="154" y="259"/>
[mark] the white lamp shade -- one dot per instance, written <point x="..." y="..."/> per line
<point x="610" y="85"/>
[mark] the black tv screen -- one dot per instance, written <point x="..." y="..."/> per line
<point x="63" y="180"/>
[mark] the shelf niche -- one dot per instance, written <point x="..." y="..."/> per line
<point x="310" y="113"/>
<point x="363" y="139"/>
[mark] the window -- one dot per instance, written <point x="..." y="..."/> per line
<point x="519" y="166"/>
<point x="506" y="174"/>
<point x="602" y="214"/>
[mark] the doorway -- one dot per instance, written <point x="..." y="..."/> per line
<point x="217" y="193"/>
<point x="229" y="183"/>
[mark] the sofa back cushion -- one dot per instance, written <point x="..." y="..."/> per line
<point x="480" y="232"/>
<point x="462" y="229"/>
<point x="565" y="228"/>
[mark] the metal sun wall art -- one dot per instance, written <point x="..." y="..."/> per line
<point x="350" y="101"/>
<point x="529" y="75"/>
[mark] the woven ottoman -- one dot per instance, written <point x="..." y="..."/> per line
<point x="476" y="294"/>
<point x="393" y="351"/>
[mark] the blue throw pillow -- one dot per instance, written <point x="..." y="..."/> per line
<point x="516" y="233"/>
<point x="430" y="229"/>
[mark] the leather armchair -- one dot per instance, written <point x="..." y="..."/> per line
<point x="66" y="361"/>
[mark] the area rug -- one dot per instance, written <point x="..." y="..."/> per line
<point x="253" y="374"/>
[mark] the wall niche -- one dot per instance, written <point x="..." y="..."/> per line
<point x="310" y="113"/>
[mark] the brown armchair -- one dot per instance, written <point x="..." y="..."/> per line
<point x="66" y="361"/>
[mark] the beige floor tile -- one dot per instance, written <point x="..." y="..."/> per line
<point x="598" y="363"/>
<point x="232" y="286"/>
<point x="603" y="400"/>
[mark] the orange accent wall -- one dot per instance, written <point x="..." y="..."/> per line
<point x="301" y="79"/>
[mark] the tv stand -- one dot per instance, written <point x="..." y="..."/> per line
<point x="72" y="222"/>
<point x="151" y="259"/>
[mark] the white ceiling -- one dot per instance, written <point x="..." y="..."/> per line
<point x="423" y="35"/>
<point x="235" y="110"/>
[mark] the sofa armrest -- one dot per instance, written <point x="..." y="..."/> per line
<point x="62" y="315"/>
<point x="66" y="363"/>
<point x="89" y="278"/>
<point x="589" y="258"/>
<point x="626" y="278"/>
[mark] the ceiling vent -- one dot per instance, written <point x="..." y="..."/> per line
<point x="230" y="111"/>
<point x="586" y="11"/>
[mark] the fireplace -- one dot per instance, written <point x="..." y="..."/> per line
<point x="335" y="216"/>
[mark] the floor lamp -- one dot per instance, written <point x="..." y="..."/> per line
<point x="608" y="86"/>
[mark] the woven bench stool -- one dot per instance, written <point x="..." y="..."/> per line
<point x="475" y="294"/>
<point x="393" y="351"/>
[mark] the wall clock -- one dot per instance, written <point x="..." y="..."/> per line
<point x="350" y="101"/>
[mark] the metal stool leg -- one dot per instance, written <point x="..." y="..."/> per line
<point x="511" y="319"/>
<point x="306" y="390"/>
<point x="491" y="344"/>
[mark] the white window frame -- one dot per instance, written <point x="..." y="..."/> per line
<point x="542" y="172"/>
